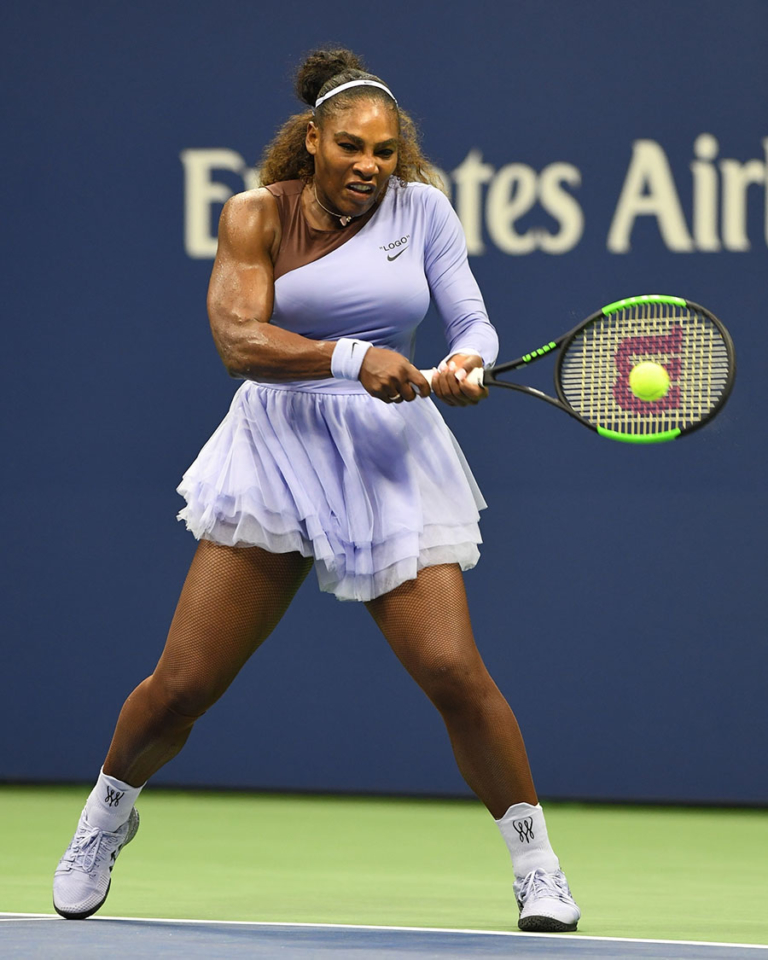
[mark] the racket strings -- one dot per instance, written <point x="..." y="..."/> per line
<point x="595" y="368"/>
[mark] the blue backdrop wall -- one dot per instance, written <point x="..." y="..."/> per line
<point x="593" y="151"/>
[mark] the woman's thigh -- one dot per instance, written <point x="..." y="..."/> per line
<point x="426" y="623"/>
<point x="232" y="599"/>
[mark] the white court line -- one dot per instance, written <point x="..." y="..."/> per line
<point x="15" y="918"/>
<point x="363" y="926"/>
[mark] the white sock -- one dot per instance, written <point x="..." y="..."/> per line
<point x="110" y="803"/>
<point x="525" y="834"/>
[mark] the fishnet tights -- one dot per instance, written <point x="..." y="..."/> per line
<point x="426" y="623"/>
<point x="231" y="601"/>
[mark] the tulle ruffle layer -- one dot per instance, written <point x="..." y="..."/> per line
<point x="373" y="491"/>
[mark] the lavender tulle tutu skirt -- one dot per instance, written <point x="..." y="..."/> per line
<point x="373" y="491"/>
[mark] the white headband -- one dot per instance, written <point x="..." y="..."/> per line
<point x="353" y="83"/>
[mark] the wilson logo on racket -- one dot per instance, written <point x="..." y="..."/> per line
<point x="643" y="370"/>
<point x="666" y="350"/>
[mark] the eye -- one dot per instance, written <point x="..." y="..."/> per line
<point x="386" y="153"/>
<point x="349" y="147"/>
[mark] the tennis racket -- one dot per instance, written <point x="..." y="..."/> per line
<point x="595" y="361"/>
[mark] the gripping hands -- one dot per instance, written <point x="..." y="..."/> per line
<point x="459" y="380"/>
<point x="389" y="377"/>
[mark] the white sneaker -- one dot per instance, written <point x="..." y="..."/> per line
<point x="83" y="876"/>
<point x="545" y="903"/>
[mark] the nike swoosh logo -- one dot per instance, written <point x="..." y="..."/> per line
<point x="396" y="255"/>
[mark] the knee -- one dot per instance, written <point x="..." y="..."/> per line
<point x="457" y="686"/>
<point x="185" y="698"/>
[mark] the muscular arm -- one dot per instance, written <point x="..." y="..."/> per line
<point x="241" y="298"/>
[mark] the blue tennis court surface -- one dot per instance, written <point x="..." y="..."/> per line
<point x="25" y="936"/>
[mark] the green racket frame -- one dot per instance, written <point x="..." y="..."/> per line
<point x="594" y="359"/>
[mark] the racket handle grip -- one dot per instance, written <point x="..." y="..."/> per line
<point x="474" y="376"/>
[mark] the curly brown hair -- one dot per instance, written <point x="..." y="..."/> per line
<point x="287" y="158"/>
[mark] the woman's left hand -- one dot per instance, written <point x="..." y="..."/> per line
<point x="450" y="382"/>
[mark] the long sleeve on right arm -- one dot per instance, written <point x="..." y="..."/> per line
<point x="453" y="286"/>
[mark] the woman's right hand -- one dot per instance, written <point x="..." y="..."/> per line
<point x="388" y="376"/>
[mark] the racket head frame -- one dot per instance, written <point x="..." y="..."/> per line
<point x="560" y="346"/>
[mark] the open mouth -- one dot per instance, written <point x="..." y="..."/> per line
<point x="362" y="189"/>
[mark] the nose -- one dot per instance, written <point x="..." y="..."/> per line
<point x="366" y="167"/>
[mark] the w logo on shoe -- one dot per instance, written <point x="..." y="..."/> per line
<point x="524" y="829"/>
<point x="113" y="797"/>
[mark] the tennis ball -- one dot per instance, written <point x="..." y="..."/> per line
<point x="649" y="381"/>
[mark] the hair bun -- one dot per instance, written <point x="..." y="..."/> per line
<point x="319" y="67"/>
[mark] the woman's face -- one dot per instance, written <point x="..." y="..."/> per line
<point x="355" y="153"/>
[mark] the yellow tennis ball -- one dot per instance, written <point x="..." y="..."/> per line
<point x="649" y="381"/>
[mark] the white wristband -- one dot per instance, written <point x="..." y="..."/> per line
<point x="347" y="358"/>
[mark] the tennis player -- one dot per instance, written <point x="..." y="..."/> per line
<point x="333" y="454"/>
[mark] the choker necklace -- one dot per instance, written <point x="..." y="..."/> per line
<point x="344" y="220"/>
